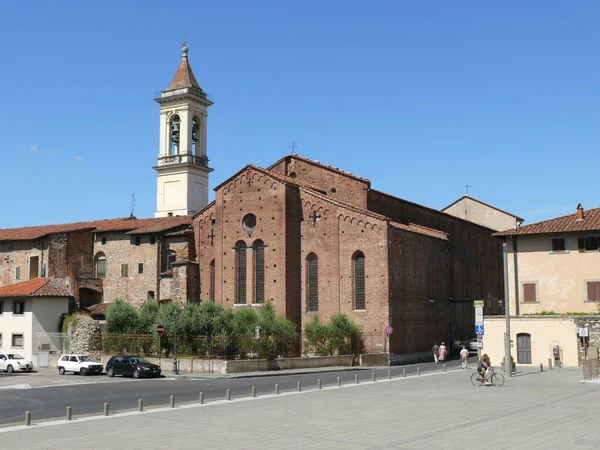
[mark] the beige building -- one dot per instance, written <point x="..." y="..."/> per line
<point x="553" y="279"/>
<point x="476" y="211"/>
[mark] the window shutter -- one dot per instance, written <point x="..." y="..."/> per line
<point x="17" y="340"/>
<point x="212" y="281"/>
<point x="240" y="272"/>
<point x="259" y="272"/>
<point x="359" y="282"/>
<point x="593" y="290"/>
<point x="313" y="282"/>
<point x="529" y="292"/>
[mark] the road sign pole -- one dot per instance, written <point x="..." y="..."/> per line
<point x="507" y="358"/>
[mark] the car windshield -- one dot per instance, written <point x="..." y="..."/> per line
<point x="14" y="356"/>
<point x="85" y="358"/>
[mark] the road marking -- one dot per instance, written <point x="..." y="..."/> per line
<point x="17" y="386"/>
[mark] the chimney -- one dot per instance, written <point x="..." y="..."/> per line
<point x="579" y="212"/>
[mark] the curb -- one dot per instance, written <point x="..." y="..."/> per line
<point x="271" y="373"/>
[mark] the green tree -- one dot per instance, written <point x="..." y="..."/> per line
<point x="121" y="318"/>
<point x="146" y="323"/>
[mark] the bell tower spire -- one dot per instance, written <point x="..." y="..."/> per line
<point x="182" y="169"/>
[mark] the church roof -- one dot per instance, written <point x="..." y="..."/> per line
<point x="131" y="224"/>
<point x="324" y="166"/>
<point x="184" y="77"/>
<point x="38" y="287"/>
<point x="484" y="204"/>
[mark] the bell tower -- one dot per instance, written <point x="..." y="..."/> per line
<point x="182" y="169"/>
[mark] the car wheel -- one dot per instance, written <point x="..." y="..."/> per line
<point x="82" y="371"/>
<point x="10" y="369"/>
<point x="110" y="372"/>
<point x="136" y="373"/>
<point x="61" y="370"/>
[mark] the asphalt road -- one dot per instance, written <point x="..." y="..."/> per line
<point x="122" y="395"/>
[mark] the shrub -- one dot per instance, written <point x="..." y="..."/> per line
<point x="332" y="338"/>
<point x="121" y="317"/>
<point x="146" y="322"/>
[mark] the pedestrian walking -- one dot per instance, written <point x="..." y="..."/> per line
<point x="442" y="353"/>
<point x="436" y="352"/>
<point x="464" y="357"/>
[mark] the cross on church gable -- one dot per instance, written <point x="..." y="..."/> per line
<point x="211" y="235"/>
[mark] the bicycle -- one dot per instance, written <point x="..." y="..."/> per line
<point x="494" y="378"/>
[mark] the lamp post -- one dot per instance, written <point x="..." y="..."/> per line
<point x="507" y="358"/>
<point x="175" y="316"/>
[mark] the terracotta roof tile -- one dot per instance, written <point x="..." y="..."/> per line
<point x="184" y="77"/>
<point x="564" y="224"/>
<point x="37" y="232"/>
<point x="159" y="224"/>
<point x="420" y="229"/>
<point x="38" y="287"/>
<point x="99" y="309"/>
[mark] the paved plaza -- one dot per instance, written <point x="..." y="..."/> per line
<point x="443" y="410"/>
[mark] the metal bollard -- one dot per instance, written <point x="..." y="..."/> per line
<point x="69" y="415"/>
<point x="541" y="367"/>
<point x="403" y="373"/>
<point x="228" y="394"/>
<point x="319" y="383"/>
<point x="106" y="409"/>
<point x="389" y="374"/>
<point x="299" y="386"/>
<point x="27" y="418"/>
<point x="140" y="405"/>
<point x="201" y="398"/>
<point x="277" y="389"/>
<point x="418" y="370"/>
<point x="172" y="401"/>
<point x="444" y="367"/>
<point x="339" y="381"/>
<point x="253" y="391"/>
<point x="356" y="379"/>
<point x="373" y="377"/>
<point x="549" y="363"/>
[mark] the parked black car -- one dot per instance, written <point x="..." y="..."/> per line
<point x="134" y="366"/>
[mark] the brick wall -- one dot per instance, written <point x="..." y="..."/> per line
<point x="15" y="254"/>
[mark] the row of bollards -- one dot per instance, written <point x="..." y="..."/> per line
<point x="69" y="413"/>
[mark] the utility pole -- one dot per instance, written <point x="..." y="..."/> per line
<point x="507" y="360"/>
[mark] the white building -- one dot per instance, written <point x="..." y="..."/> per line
<point x="30" y="314"/>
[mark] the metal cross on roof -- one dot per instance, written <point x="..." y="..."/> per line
<point x="293" y="147"/>
<point x="467" y="186"/>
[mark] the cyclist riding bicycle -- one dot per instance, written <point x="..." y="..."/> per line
<point x="483" y="366"/>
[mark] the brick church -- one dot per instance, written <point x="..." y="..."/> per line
<point x="308" y="237"/>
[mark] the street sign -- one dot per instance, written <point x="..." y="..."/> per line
<point x="480" y="336"/>
<point x="389" y="330"/>
<point x="582" y="332"/>
<point x="160" y="329"/>
<point x="479" y="343"/>
<point x="477" y="303"/>
<point x="478" y="329"/>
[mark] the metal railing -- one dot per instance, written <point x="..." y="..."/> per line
<point x="51" y="342"/>
<point x="591" y="369"/>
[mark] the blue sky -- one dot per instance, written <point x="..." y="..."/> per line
<point x="419" y="97"/>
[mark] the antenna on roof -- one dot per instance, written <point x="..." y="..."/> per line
<point x="132" y="205"/>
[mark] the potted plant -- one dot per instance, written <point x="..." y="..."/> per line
<point x="512" y="364"/>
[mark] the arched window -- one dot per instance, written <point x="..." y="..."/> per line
<point x="312" y="282"/>
<point x="240" y="272"/>
<point x="174" y="134"/>
<point x="211" y="293"/>
<point x="171" y="257"/>
<point x="358" y="272"/>
<point x="259" y="271"/>
<point x="100" y="265"/>
<point x="195" y="134"/>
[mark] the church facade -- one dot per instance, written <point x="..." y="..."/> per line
<point x="310" y="238"/>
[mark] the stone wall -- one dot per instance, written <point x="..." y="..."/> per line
<point x="80" y="336"/>
<point x="593" y="326"/>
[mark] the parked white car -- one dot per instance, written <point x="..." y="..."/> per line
<point x="11" y="362"/>
<point x="81" y="364"/>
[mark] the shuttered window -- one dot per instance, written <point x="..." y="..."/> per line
<point x="124" y="270"/>
<point x="312" y="282"/>
<point x="211" y="292"/>
<point x="259" y="272"/>
<point x="359" y="281"/>
<point x="100" y="267"/>
<point x="17" y="341"/>
<point x="593" y="291"/>
<point x="240" y="272"/>
<point x="529" y="292"/>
